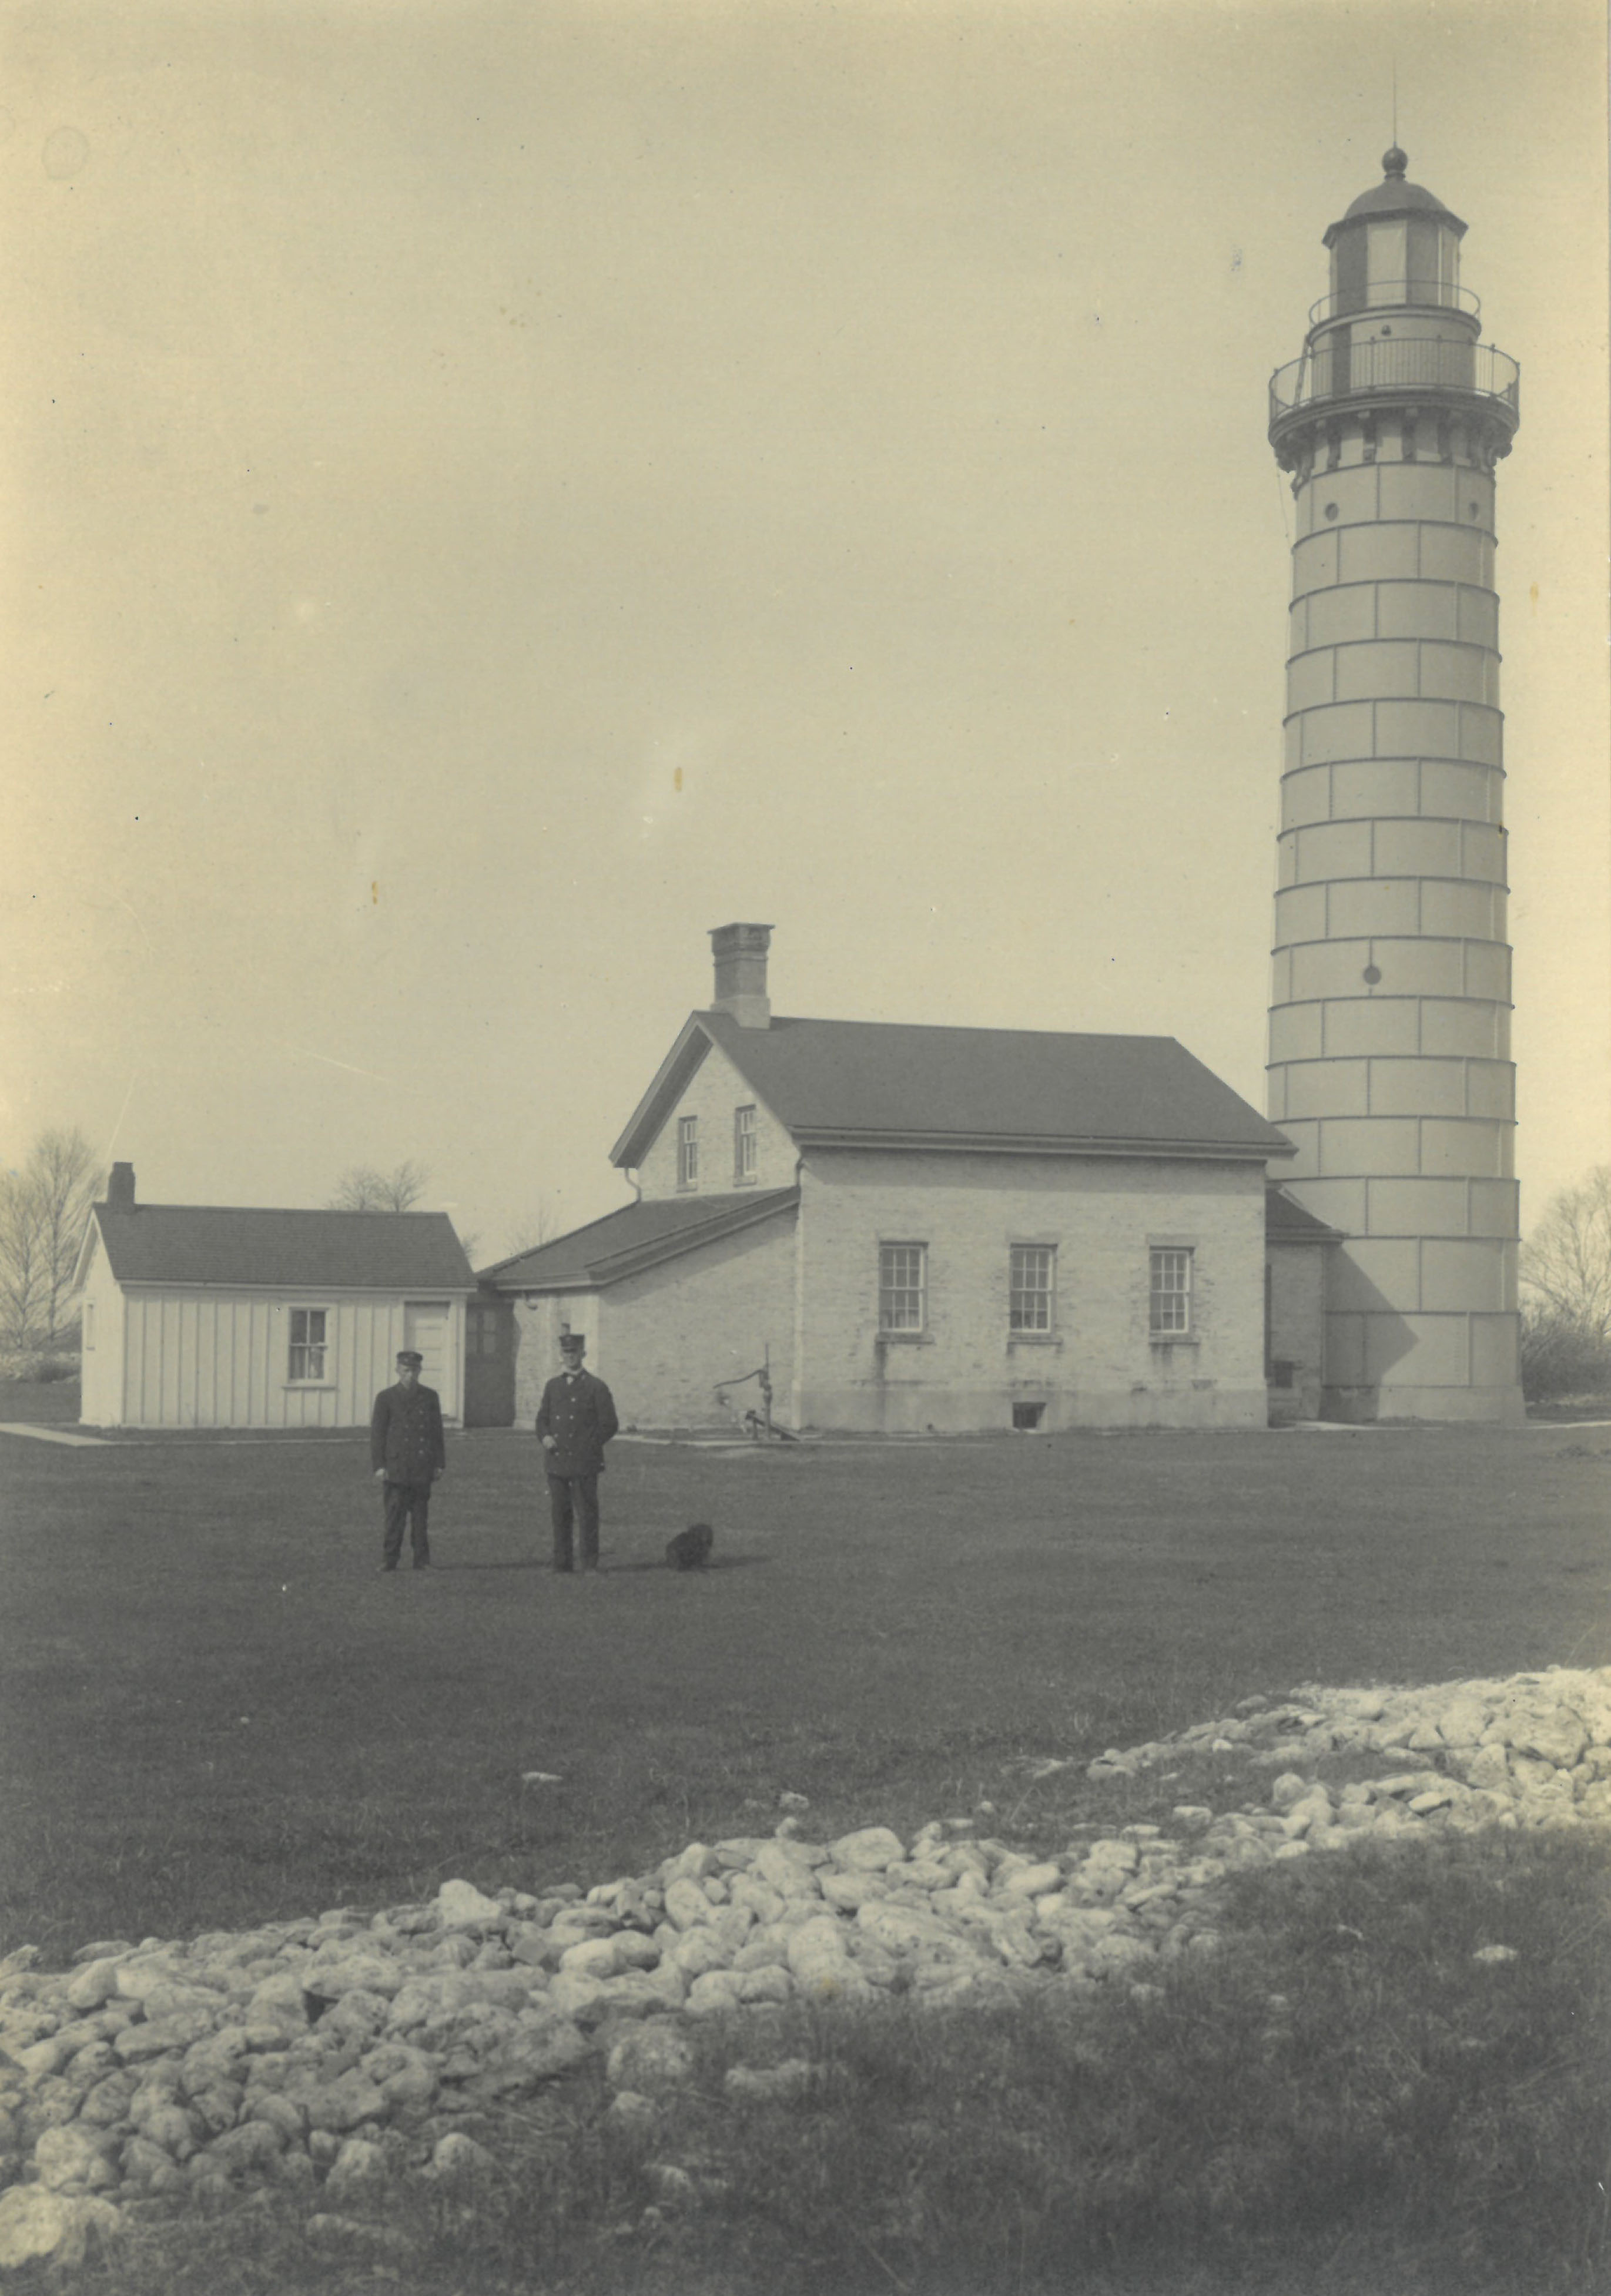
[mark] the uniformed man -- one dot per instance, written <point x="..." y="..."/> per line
<point x="407" y="1454"/>
<point x="574" y="1420"/>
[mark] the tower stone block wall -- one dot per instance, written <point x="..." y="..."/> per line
<point x="1390" y="1065"/>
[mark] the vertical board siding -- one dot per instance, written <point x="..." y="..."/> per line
<point x="222" y="1359"/>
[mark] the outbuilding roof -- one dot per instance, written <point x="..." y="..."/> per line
<point x="638" y="1236"/>
<point x="868" y="1083"/>
<point x="226" y="1245"/>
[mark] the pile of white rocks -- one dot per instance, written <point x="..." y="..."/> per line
<point x="336" y="2055"/>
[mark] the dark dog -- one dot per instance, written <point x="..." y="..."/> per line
<point x="690" y="1550"/>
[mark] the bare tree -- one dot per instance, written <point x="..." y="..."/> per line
<point x="43" y="1211"/>
<point x="539" y="1224"/>
<point x="1565" y="1263"/>
<point x="21" y="1266"/>
<point x="361" y="1188"/>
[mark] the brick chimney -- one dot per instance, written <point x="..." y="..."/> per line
<point x="741" y="973"/>
<point x="121" y="1188"/>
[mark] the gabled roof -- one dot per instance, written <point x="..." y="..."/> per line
<point x="1287" y="1221"/>
<point x="869" y="1083"/>
<point x="638" y="1236"/>
<point x="287" y="1251"/>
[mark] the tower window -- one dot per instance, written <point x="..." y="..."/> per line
<point x="688" y="1152"/>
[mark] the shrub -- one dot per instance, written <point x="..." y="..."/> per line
<point x="1563" y="1355"/>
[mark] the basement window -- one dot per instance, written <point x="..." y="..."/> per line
<point x="1027" y="1416"/>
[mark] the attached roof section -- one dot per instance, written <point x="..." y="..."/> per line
<point x="638" y="1236"/>
<point x="285" y="1251"/>
<point x="1287" y="1221"/>
<point x="870" y="1084"/>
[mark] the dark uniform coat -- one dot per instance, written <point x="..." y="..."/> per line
<point x="405" y="1434"/>
<point x="579" y="1412"/>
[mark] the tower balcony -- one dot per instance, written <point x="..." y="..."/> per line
<point x="1416" y="369"/>
<point x="1395" y="295"/>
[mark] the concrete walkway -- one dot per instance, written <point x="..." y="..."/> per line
<point x="54" y="1435"/>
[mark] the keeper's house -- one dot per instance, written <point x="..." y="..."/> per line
<point x="917" y="1227"/>
<point x="207" y="1316"/>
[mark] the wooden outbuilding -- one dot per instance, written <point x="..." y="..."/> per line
<point x="219" y="1315"/>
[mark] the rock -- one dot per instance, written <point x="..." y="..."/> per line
<point x="459" y="1905"/>
<point x="36" y="2222"/>
<point x="459" y="2159"/>
<point x="655" y="2059"/>
<point x="74" y="2158"/>
<point x="717" y="1990"/>
<point x="780" y="2083"/>
<point x="868" y="1850"/>
<point x="358" y="2172"/>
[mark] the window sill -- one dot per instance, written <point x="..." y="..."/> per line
<point x="1034" y="1339"/>
<point x="308" y="1386"/>
<point x="1173" y="1339"/>
<point x="906" y="1338"/>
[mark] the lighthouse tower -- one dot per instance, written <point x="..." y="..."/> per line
<point x="1390" y="1014"/>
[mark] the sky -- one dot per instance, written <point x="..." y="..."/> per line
<point x="493" y="492"/>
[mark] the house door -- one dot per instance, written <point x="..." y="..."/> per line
<point x="425" y="1327"/>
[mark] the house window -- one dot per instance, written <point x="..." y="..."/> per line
<point x="688" y="1152"/>
<point x="480" y="1331"/>
<point x="902" y="1286"/>
<point x="1170" y="1311"/>
<point x="1030" y="1282"/>
<point x="306" y="1343"/>
<point x="743" y="1144"/>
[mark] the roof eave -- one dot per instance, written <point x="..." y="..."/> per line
<point x="1040" y="1144"/>
<point x="669" y="1079"/>
<point x="615" y="1266"/>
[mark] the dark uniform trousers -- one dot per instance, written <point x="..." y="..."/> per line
<point x="573" y="1499"/>
<point x="407" y="1502"/>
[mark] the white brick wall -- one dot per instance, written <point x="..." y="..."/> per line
<point x="1100" y="1366"/>
<point x="715" y="1091"/>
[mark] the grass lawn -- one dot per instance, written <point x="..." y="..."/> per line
<point x="216" y="1712"/>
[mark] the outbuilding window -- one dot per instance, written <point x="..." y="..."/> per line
<point x="1170" y="1290"/>
<point x="308" y="1348"/>
<point x="1032" y="1277"/>
<point x="688" y="1152"/>
<point x="902" y="1286"/>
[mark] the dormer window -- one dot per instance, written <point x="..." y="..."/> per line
<point x="688" y="1152"/>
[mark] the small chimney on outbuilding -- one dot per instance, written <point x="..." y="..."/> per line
<point x="740" y="952"/>
<point x="121" y="1188"/>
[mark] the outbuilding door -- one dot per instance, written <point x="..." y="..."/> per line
<point x="426" y="1324"/>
